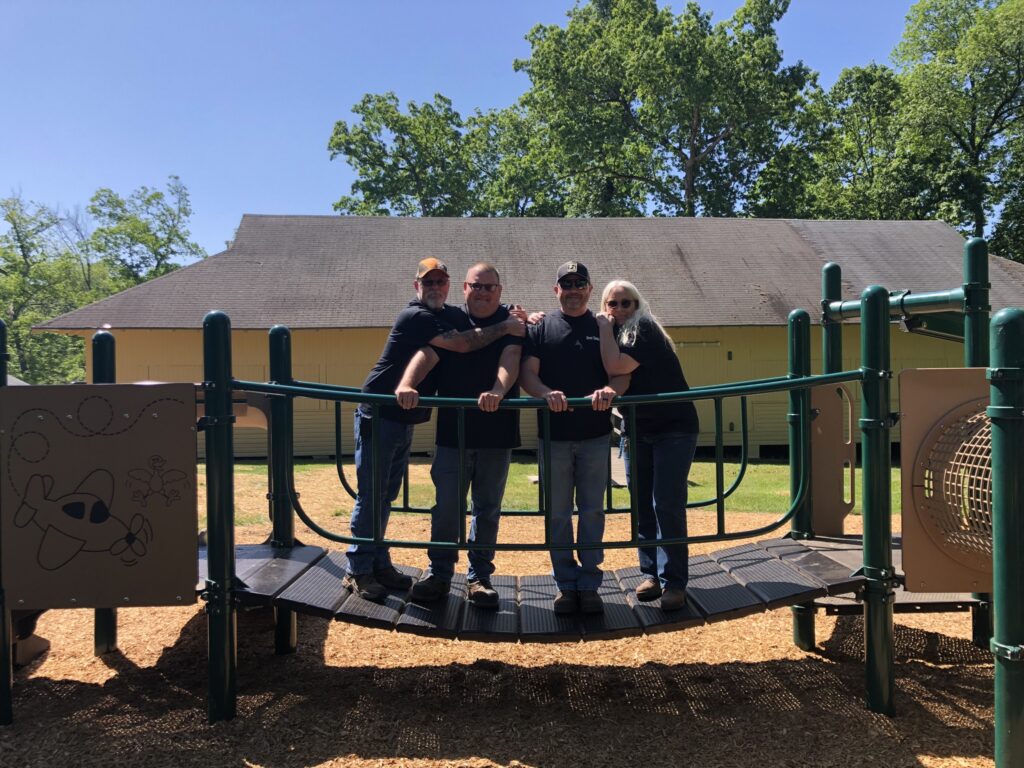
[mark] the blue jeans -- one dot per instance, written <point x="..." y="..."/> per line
<point x="580" y="467"/>
<point x="485" y="471"/>
<point x="662" y="465"/>
<point x="394" y="441"/>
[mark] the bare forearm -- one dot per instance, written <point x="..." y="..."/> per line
<point x="529" y="380"/>
<point x="611" y="356"/>
<point x="419" y="366"/>
<point x="508" y="369"/>
<point x="620" y="383"/>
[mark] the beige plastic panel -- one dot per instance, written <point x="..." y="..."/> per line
<point x="98" y="495"/>
<point x="928" y="396"/>
<point x="833" y="458"/>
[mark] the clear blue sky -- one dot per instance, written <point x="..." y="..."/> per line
<point x="239" y="98"/>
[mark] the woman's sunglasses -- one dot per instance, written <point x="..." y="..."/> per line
<point x="624" y="303"/>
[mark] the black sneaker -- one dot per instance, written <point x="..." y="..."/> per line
<point x="649" y="589"/>
<point x="392" y="578"/>
<point x="568" y="601"/>
<point x="430" y="589"/>
<point x="590" y="601"/>
<point x="482" y="594"/>
<point x="366" y="586"/>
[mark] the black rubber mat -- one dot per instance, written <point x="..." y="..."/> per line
<point x="284" y="567"/>
<point x="381" y="615"/>
<point x="717" y="594"/>
<point x="774" y="582"/>
<point x="537" y="618"/>
<point x="489" y="625"/>
<point x="442" y="618"/>
<point x="318" y="591"/>
<point x="618" y="618"/>
<point x="838" y="579"/>
<point x="903" y="602"/>
<point x="650" y="615"/>
<point x="248" y="558"/>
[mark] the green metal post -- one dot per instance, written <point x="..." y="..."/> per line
<point x="286" y="631"/>
<point x="1007" y="414"/>
<point x="799" y="418"/>
<point x="875" y="426"/>
<point x="6" y="626"/>
<point x="104" y="371"/>
<point x="976" y="355"/>
<point x="831" y="330"/>
<point x="220" y="506"/>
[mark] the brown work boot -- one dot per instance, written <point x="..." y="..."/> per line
<point x="568" y="601"/>
<point x="673" y="599"/>
<point x="392" y="578"/>
<point x="482" y="594"/>
<point x="649" y="589"/>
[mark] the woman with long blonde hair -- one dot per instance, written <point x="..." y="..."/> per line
<point x="634" y="342"/>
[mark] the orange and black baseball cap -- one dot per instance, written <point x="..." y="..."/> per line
<point x="429" y="264"/>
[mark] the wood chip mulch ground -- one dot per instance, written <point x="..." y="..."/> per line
<point x="730" y="694"/>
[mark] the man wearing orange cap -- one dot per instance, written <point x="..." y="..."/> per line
<point x="425" y="321"/>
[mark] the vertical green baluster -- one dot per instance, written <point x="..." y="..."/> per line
<point x="376" y="478"/>
<point x="220" y="508"/>
<point x="976" y="352"/>
<point x="799" y="418"/>
<point x="875" y="424"/>
<point x="286" y="630"/>
<point x="545" y="478"/>
<point x="719" y="468"/>
<point x="104" y="371"/>
<point x="6" y="627"/>
<point x="1007" y="414"/>
<point x="461" y="420"/>
<point x="634" y="473"/>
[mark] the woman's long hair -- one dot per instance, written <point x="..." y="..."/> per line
<point x="631" y="328"/>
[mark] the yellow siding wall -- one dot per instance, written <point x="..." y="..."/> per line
<point x="344" y="356"/>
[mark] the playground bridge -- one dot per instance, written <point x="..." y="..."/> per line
<point x="801" y="569"/>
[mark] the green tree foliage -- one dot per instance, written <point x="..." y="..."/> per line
<point x="666" y="113"/>
<point x="409" y="164"/>
<point x="53" y="262"/>
<point x="963" y="76"/>
<point x="144" y="235"/>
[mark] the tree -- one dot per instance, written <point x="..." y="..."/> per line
<point x="963" y="76"/>
<point x="651" y="111"/>
<point x="145" y="234"/>
<point x="412" y="164"/>
<point x="37" y="282"/>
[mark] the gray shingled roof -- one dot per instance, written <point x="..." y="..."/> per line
<point x="345" y="272"/>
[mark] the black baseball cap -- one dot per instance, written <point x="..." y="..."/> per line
<point x="573" y="268"/>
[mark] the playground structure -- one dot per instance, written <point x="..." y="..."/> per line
<point x="296" y="578"/>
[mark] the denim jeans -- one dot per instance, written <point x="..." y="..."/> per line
<point x="394" y="441"/>
<point x="579" y="467"/>
<point x="662" y="465"/>
<point x="485" y="471"/>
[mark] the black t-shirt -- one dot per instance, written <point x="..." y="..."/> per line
<point x="659" y="371"/>
<point x="415" y="327"/>
<point x="469" y="374"/>
<point x="569" y="350"/>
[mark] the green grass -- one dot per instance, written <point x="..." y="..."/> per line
<point x="765" y="487"/>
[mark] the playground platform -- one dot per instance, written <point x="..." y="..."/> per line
<point x="727" y="584"/>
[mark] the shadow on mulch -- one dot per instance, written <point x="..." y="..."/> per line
<point x="295" y="711"/>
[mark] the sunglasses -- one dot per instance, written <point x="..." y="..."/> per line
<point x="624" y="303"/>
<point x="434" y="282"/>
<point x="486" y="287"/>
<point x="568" y="285"/>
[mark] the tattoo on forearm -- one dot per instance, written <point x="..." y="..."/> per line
<point x="478" y="338"/>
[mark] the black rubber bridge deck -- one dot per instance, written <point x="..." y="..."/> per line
<point x="728" y="584"/>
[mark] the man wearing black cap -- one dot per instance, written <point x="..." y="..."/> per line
<point x="562" y="359"/>
<point x="425" y="321"/>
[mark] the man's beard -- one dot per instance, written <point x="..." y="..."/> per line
<point x="433" y="302"/>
